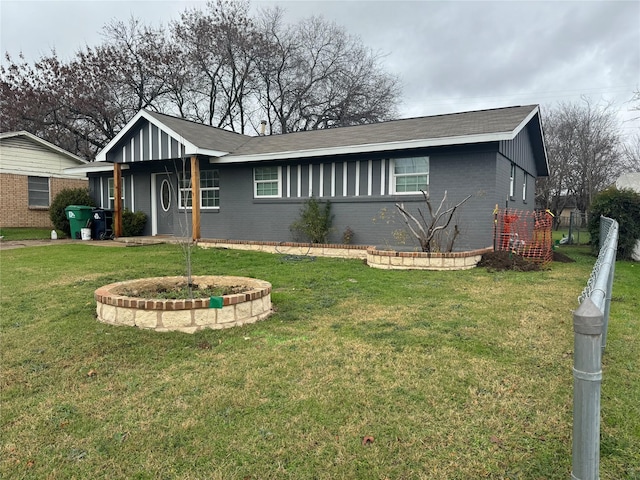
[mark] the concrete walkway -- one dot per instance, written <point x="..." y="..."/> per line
<point x="118" y="242"/>
<point x="12" y="244"/>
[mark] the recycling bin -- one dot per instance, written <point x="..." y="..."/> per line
<point x="79" y="217"/>
<point x="101" y="224"/>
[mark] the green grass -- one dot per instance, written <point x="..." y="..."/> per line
<point x="456" y="375"/>
<point x="16" y="233"/>
<point x="581" y="236"/>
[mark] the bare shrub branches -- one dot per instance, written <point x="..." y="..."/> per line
<point x="428" y="231"/>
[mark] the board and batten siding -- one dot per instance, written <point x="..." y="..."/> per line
<point x="146" y="142"/>
<point x="519" y="151"/>
<point x="329" y="180"/>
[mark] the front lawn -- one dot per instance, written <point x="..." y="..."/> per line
<point x="20" y="233"/>
<point x="454" y="375"/>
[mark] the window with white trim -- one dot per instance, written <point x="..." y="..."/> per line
<point x="112" y="194"/>
<point x="267" y="182"/>
<point x="410" y="175"/>
<point x="38" y="191"/>
<point x="512" y="181"/>
<point x="209" y="190"/>
<point x="524" y="188"/>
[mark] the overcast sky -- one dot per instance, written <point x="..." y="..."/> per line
<point x="449" y="55"/>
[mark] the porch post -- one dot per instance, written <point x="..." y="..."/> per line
<point x="117" y="199"/>
<point x="195" y="198"/>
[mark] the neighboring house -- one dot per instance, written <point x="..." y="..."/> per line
<point x="32" y="172"/>
<point x="253" y="188"/>
<point x="631" y="181"/>
<point x="569" y="206"/>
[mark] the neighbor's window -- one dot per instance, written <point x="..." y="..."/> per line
<point x="209" y="190"/>
<point x="524" y="188"/>
<point x="38" y="192"/>
<point x="410" y="175"/>
<point x="112" y="193"/>
<point x="512" y="181"/>
<point x="266" y="181"/>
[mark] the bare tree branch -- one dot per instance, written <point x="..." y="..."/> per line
<point x="427" y="236"/>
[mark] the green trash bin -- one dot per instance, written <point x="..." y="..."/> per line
<point x="79" y="217"/>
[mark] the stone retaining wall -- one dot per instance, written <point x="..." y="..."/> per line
<point x="392" y="260"/>
<point x="290" y="248"/>
<point x="184" y="315"/>
<point x="384" y="259"/>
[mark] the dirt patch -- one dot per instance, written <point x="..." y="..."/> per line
<point x="500" y="261"/>
<point x="176" y="290"/>
<point x="561" y="257"/>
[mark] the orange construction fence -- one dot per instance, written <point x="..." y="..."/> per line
<point x="524" y="232"/>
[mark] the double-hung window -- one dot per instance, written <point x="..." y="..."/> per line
<point x="112" y="194"/>
<point x="267" y="182"/>
<point x="38" y="192"/>
<point x="410" y="175"/>
<point x="209" y="190"/>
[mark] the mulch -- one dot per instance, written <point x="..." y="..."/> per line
<point x="502" y="260"/>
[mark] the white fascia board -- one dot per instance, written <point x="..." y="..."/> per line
<point x="95" y="167"/>
<point x="524" y="122"/>
<point x="44" y="143"/>
<point x="102" y="154"/>
<point x="367" y="148"/>
<point x="205" y="152"/>
<point x="544" y="143"/>
<point x="190" y="148"/>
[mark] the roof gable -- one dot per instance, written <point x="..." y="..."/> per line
<point x="169" y="137"/>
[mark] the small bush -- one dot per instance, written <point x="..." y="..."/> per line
<point x="347" y="236"/>
<point x="66" y="197"/>
<point x="624" y="207"/>
<point x="314" y="222"/>
<point x="133" y="223"/>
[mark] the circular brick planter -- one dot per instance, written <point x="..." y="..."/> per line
<point x="184" y="315"/>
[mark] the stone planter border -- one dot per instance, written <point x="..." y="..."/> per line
<point x="393" y="260"/>
<point x="185" y="315"/>
<point x="384" y="259"/>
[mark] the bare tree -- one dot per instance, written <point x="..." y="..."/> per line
<point x="218" y="66"/>
<point x="631" y="154"/>
<point x="584" y="152"/>
<point x="220" y="44"/>
<point x="429" y="231"/>
<point x="314" y="75"/>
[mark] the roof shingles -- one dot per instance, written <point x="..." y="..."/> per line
<point x="465" y="124"/>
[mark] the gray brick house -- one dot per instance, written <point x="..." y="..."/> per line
<point x="252" y="188"/>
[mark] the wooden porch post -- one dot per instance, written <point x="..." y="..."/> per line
<point x="195" y="198"/>
<point x="117" y="199"/>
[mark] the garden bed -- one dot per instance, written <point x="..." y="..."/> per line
<point x="143" y="303"/>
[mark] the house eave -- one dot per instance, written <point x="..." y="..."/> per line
<point x="94" y="167"/>
<point x="366" y="148"/>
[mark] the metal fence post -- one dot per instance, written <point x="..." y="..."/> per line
<point x="587" y="377"/>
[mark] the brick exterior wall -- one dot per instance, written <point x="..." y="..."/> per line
<point x="14" y="200"/>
